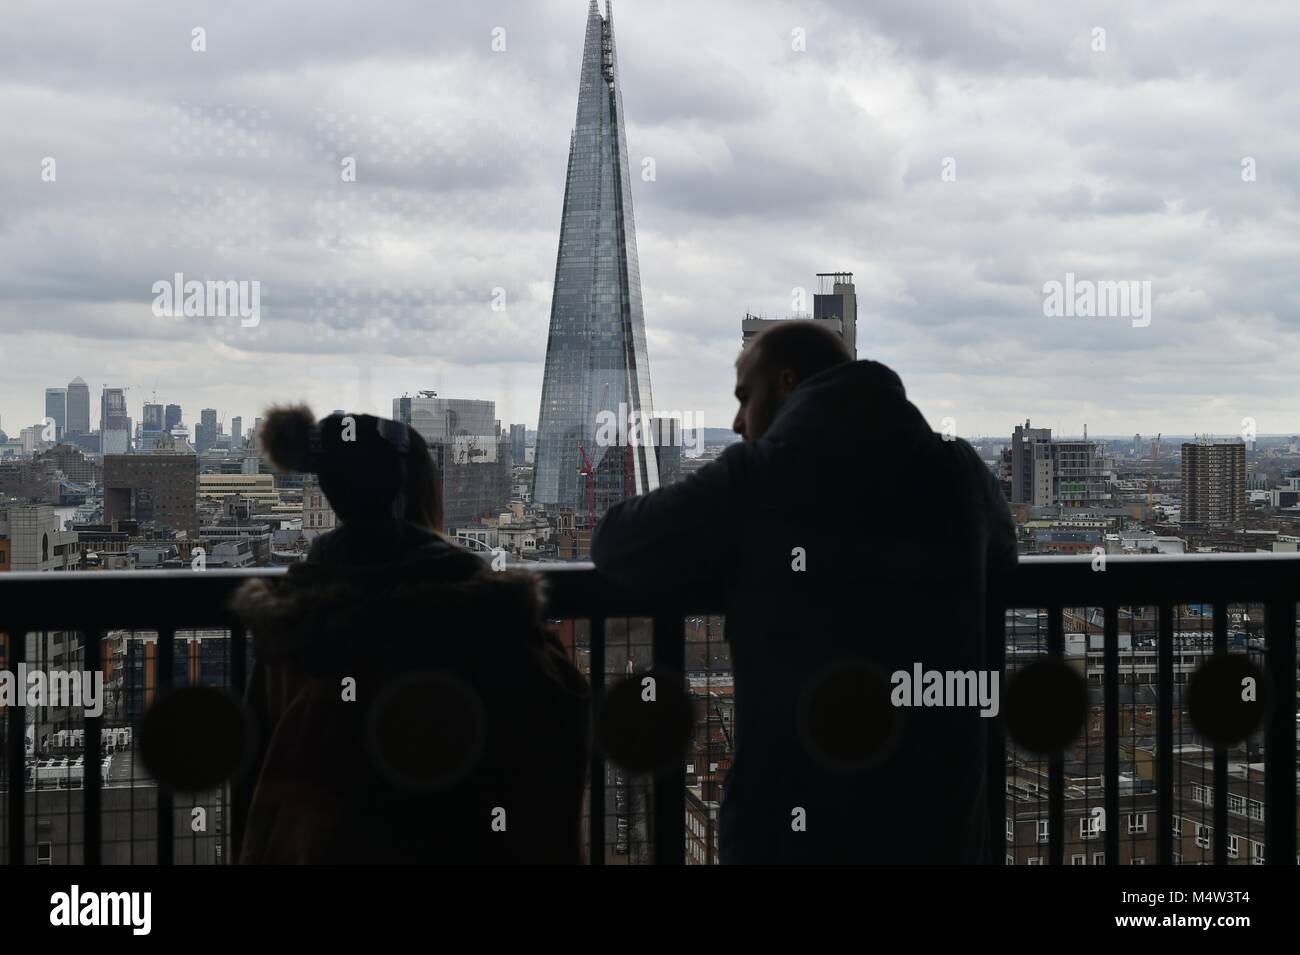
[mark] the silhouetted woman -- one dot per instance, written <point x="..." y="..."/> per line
<point x="412" y="707"/>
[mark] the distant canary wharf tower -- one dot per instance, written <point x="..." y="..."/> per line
<point x="597" y="376"/>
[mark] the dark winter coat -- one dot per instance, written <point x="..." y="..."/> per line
<point x="899" y="530"/>
<point x="466" y="740"/>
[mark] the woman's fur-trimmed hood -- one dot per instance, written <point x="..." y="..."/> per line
<point x="326" y="617"/>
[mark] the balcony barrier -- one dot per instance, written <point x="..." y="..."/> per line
<point x="166" y="601"/>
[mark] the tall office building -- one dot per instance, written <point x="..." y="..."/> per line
<point x="114" y="423"/>
<point x="158" y="489"/>
<point x="78" y="407"/>
<point x="205" y="432"/>
<point x="56" y="409"/>
<point x="151" y="426"/>
<point x="835" y="305"/>
<point x="472" y="461"/>
<point x="1214" y="483"/>
<point x="1031" y="466"/>
<point x="1066" y="472"/>
<point x="465" y="424"/>
<point x="172" y="417"/>
<point x="236" y="432"/>
<point x="596" y="358"/>
<point x="667" y="435"/>
<point x="518" y="443"/>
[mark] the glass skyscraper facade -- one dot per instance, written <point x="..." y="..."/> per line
<point x="56" y="408"/>
<point x="465" y="425"/>
<point x="78" y="407"/>
<point x="596" y="359"/>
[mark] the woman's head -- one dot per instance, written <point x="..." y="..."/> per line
<point x="370" y="468"/>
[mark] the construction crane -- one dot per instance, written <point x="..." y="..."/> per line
<point x="589" y="473"/>
<point x="588" y="470"/>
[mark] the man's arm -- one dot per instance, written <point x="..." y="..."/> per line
<point x="669" y="536"/>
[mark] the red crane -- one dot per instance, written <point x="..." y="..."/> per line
<point x="587" y="470"/>
<point x="590" y="474"/>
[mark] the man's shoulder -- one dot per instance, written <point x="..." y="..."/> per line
<point x="962" y="454"/>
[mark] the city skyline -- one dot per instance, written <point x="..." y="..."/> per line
<point x="770" y="163"/>
<point x="223" y="413"/>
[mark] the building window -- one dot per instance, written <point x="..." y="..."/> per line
<point x="1139" y="860"/>
<point x="1178" y="858"/>
<point x="1234" y="846"/>
<point x="1011" y="831"/>
<point x="1099" y="858"/>
<point x="1237" y="804"/>
<point x="1178" y="826"/>
<point x="44" y="853"/>
<point x="1079" y="858"/>
<point x="1137" y="822"/>
<point x="1203" y="836"/>
<point x="1089" y="827"/>
<point x="1258" y="853"/>
<point x="1011" y="860"/>
<point x="1255" y="809"/>
<point x="1035" y="860"/>
<point x="1042" y="830"/>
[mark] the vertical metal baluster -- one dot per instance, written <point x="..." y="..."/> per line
<point x="241" y="790"/>
<point x="670" y="785"/>
<point x="995" y="629"/>
<point x="163" y="680"/>
<point x="17" y="728"/>
<point x="1220" y="752"/>
<point x="596" y="801"/>
<point x="1165" y="739"/>
<point x="1110" y="701"/>
<point x="92" y="808"/>
<point x="1280" y="732"/>
<point x="1056" y="761"/>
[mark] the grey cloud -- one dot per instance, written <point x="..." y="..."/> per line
<point x="771" y="165"/>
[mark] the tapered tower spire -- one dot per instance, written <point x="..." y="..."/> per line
<point x="597" y="371"/>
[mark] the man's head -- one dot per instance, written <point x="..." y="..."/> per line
<point x="775" y="362"/>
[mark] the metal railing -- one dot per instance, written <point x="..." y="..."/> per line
<point x="1163" y="582"/>
<point x="165" y="601"/>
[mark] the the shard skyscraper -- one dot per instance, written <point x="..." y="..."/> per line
<point x="597" y="371"/>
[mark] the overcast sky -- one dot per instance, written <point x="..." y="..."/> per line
<point x="771" y="164"/>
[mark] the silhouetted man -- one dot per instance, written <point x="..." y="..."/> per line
<point x="852" y="544"/>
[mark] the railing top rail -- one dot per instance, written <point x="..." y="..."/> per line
<point x="126" y="599"/>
